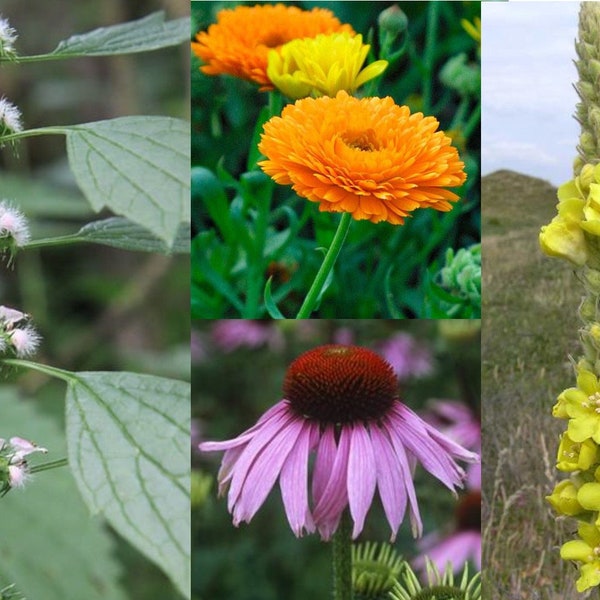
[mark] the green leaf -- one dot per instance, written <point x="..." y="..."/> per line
<point x="149" y="33"/>
<point x="121" y="233"/>
<point x="50" y="546"/>
<point x="128" y="438"/>
<point x="270" y="305"/>
<point x="139" y="167"/>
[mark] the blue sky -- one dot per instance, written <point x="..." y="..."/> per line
<point x="527" y="88"/>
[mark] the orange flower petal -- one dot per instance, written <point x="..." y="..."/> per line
<point x="369" y="157"/>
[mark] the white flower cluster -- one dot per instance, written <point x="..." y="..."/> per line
<point x="16" y="333"/>
<point x="8" y="37"/>
<point x="10" y="118"/>
<point x="14" y="470"/>
<point x="13" y="225"/>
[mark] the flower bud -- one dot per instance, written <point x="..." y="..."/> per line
<point x="564" y="499"/>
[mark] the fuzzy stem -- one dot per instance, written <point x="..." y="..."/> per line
<point x="342" y="559"/>
<point x="316" y="288"/>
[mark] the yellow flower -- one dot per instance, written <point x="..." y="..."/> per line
<point x="583" y="406"/>
<point x="576" y="456"/>
<point x="587" y="551"/>
<point x="564" y="498"/>
<point x="322" y="66"/>
<point x="368" y="157"/>
<point x="563" y="236"/>
<point x="591" y="210"/>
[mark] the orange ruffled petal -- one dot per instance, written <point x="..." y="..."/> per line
<point x="369" y="157"/>
<point x="239" y="43"/>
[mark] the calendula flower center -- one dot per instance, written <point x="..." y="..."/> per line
<point x="340" y="384"/>
<point x="363" y="140"/>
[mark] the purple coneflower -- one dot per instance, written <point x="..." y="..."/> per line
<point x="340" y="403"/>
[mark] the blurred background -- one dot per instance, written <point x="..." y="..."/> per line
<point x="237" y="372"/>
<point x="97" y="308"/>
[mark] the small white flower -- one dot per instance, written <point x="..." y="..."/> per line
<point x="8" y="37"/>
<point x="10" y="118"/>
<point x="11" y="317"/>
<point x="13" y="224"/>
<point x="23" y="447"/>
<point x="18" y="475"/>
<point x="24" y="340"/>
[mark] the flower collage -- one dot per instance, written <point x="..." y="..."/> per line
<point x="300" y="299"/>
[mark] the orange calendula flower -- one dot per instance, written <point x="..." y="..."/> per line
<point x="239" y="43"/>
<point x="368" y="157"/>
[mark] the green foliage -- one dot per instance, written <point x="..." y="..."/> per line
<point x="148" y="33"/>
<point x="137" y="166"/>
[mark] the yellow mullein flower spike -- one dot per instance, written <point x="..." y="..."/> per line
<point x="322" y="66"/>
<point x="575" y="456"/>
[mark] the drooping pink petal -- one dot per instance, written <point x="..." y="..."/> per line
<point x="259" y="466"/>
<point x="434" y="457"/>
<point x="390" y="479"/>
<point x="333" y="500"/>
<point x="407" y="480"/>
<point x="326" y="452"/>
<point x="281" y="409"/>
<point x="294" y="484"/>
<point x="362" y="477"/>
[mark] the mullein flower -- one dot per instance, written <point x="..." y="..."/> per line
<point x="14" y="470"/>
<point x="8" y="37"/>
<point x="586" y="552"/>
<point x="340" y="403"/>
<point x="322" y="66"/>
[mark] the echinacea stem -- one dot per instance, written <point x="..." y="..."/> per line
<point x="313" y="295"/>
<point x="342" y="559"/>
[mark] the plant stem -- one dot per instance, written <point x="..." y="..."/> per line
<point x="430" y="41"/>
<point x="316" y="288"/>
<point x="342" y="559"/>
<point x="61" y="462"/>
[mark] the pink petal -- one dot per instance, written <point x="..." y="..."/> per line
<point x="275" y="412"/>
<point x="334" y="497"/>
<point x="407" y="480"/>
<point x="390" y="480"/>
<point x="259" y="465"/>
<point x="326" y="452"/>
<point x="362" y="477"/>
<point x="432" y="455"/>
<point x="293" y="482"/>
<point x="456" y="549"/>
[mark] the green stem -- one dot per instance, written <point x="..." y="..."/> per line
<point x="61" y="462"/>
<point x="430" y="42"/>
<point x="317" y="286"/>
<point x="472" y="122"/>
<point x="342" y="559"/>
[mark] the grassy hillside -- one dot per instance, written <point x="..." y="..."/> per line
<point x="529" y="330"/>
